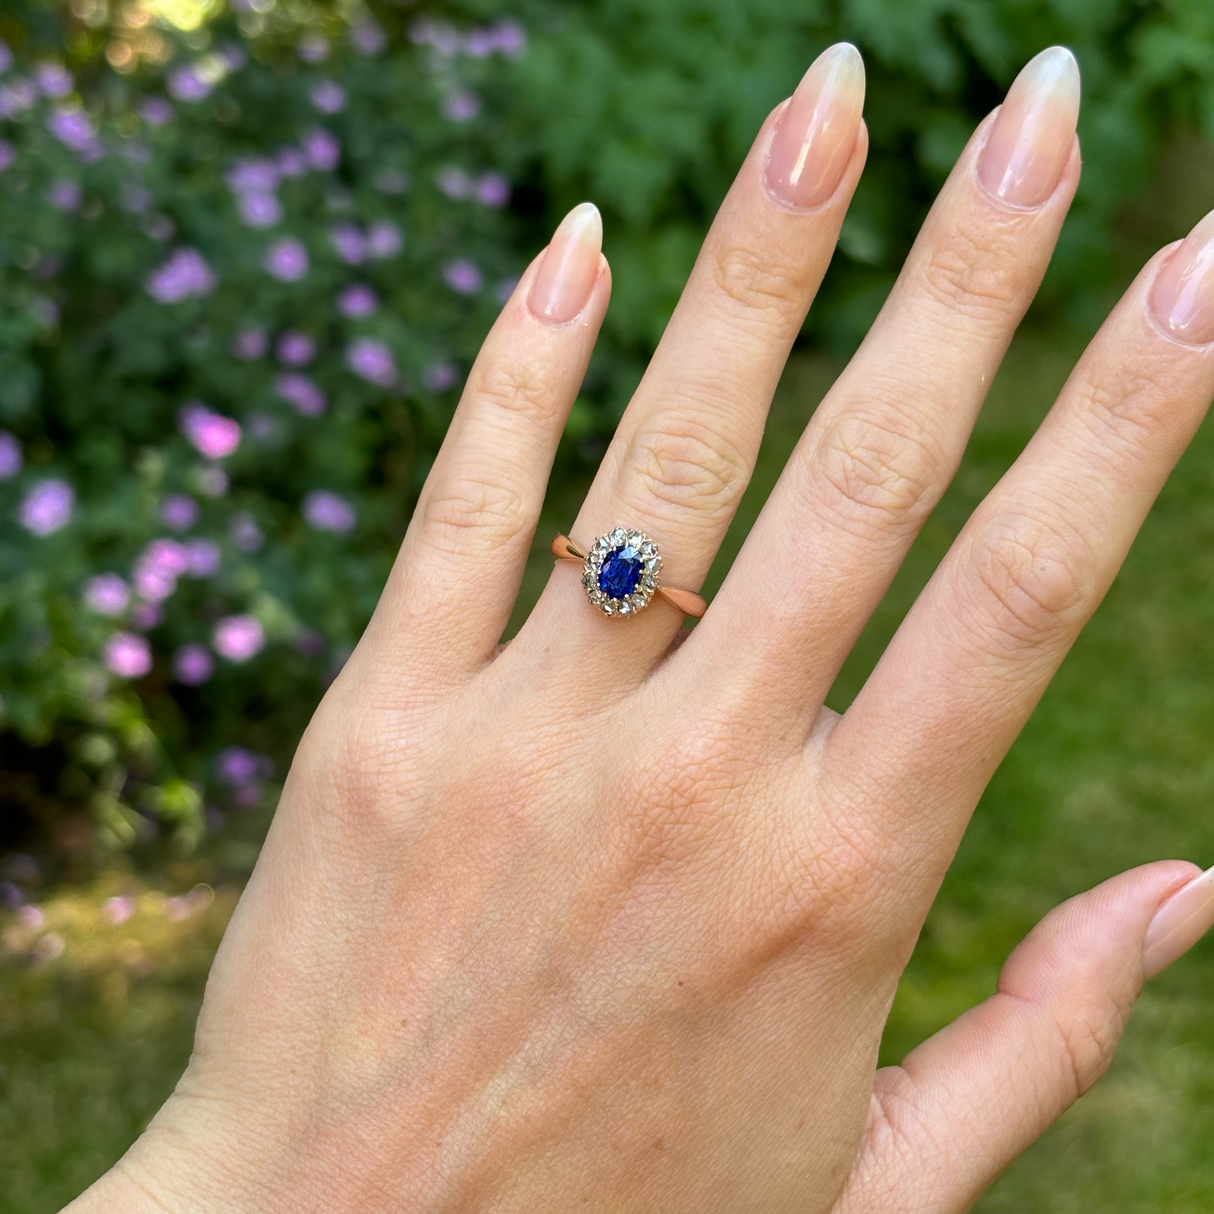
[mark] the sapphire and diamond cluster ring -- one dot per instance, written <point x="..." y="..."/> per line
<point x="622" y="572"/>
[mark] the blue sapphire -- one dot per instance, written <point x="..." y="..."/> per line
<point x="620" y="572"/>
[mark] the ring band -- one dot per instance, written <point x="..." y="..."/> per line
<point x="621" y="572"/>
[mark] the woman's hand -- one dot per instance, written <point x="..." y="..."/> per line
<point x="596" y="923"/>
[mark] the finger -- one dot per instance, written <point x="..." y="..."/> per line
<point x="686" y="445"/>
<point x="967" y="1101"/>
<point x="886" y="440"/>
<point x="458" y="572"/>
<point x="978" y="648"/>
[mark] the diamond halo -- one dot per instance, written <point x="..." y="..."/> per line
<point x="620" y="574"/>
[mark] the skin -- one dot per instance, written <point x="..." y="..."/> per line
<point x="598" y="922"/>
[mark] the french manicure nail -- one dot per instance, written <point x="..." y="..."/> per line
<point x="1183" y="295"/>
<point x="1178" y="924"/>
<point x="570" y="266"/>
<point x="1030" y="141"/>
<point x="818" y="129"/>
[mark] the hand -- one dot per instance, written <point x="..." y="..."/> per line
<point x="597" y="923"/>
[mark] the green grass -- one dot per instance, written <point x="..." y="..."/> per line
<point x="1116" y="767"/>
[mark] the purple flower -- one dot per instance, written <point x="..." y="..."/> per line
<point x="64" y="195"/>
<point x="160" y="227"/>
<point x="6" y="57"/>
<point x="372" y="360"/>
<point x="310" y="643"/>
<point x="106" y="594"/>
<point x="146" y="615"/>
<point x="118" y="909"/>
<point x="325" y="511"/>
<point x="212" y="480"/>
<point x="357" y="300"/>
<point x="136" y="198"/>
<point x="314" y="48"/>
<point x="259" y="210"/>
<point x="348" y="243"/>
<point x="73" y="128"/>
<point x="384" y="239"/>
<point x="159" y="566"/>
<point x="253" y="175"/>
<point x="260" y="425"/>
<point x="47" y="507"/>
<point x="44" y="311"/>
<point x="368" y="37"/>
<point x="321" y="149"/>
<point x="201" y="558"/>
<point x="155" y="111"/>
<point x="438" y="377"/>
<point x="186" y="84"/>
<point x="479" y="43"/>
<point x="291" y="162"/>
<point x="250" y="344"/>
<point x="238" y="637"/>
<point x="212" y="434"/>
<point x="286" y="260"/>
<point x="493" y="190"/>
<point x="17" y="96"/>
<point x="295" y="349"/>
<point x="128" y="655"/>
<point x="53" y="79"/>
<point x="183" y="276"/>
<point x="301" y="393"/>
<point x="11" y="458"/>
<point x="454" y="182"/>
<point x="511" y="39"/>
<point x="246" y="534"/>
<point x="232" y="57"/>
<point x="7" y="154"/>
<point x="463" y="276"/>
<point x="328" y="97"/>
<point x="193" y="665"/>
<point x="462" y="106"/>
<point x="179" y="511"/>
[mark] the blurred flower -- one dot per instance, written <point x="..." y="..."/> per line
<point x="212" y="480"/>
<point x="186" y="83"/>
<point x="438" y="377"/>
<point x="212" y="434"/>
<point x="193" y="665"/>
<point x="202" y="558"/>
<point x="291" y="162"/>
<point x="301" y="393"/>
<point x="462" y="106"/>
<point x="455" y="182"/>
<point x="44" y="311"/>
<point x="348" y="243"/>
<point x="179" y="511"/>
<point x="118" y="909"/>
<point x="53" y="79"/>
<point x="7" y="154"/>
<point x="73" y="128"/>
<point x="107" y="594"/>
<point x="48" y="948"/>
<point x="384" y="239"/>
<point x="128" y="655"/>
<point x="135" y="151"/>
<point x="160" y="227"/>
<point x="183" y="276"/>
<point x="135" y="198"/>
<point x="246" y="534"/>
<point x="64" y="195"/>
<point x="295" y="349"/>
<point x="260" y="425"/>
<point x="146" y="615"/>
<point x="313" y="48"/>
<point x="325" y="511"/>
<point x="47" y="507"/>
<point x="391" y="181"/>
<point x="157" y="569"/>
<point x="32" y="917"/>
<point x="368" y="37"/>
<point x="238" y="637"/>
<point x="6" y="57"/>
<point x="11" y="459"/>
<point x="155" y="111"/>
<point x="328" y="97"/>
<point x="16" y="96"/>
<point x="250" y="344"/>
<point x="286" y="260"/>
<point x="259" y="210"/>
<point x="493" y="190"/>
<point x="11" y="895"/>
<point x="511" y="39"/>
<point x="252" y="174"/>
<point x="357" y="300"/>
<point x="479" y="43"/>
<point x="234" y="765"/>
<point x="231" y="57"/>
<point x="310" y="643"/>
<point x="463" y="276"/>
<point x="372" y="360"/>
<point x="321" y="149"/>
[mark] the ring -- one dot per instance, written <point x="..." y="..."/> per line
<point x="621" y="571"/>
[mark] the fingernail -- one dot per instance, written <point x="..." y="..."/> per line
<point x="1178" y="924"/>
<point x="818" y="129"/>
<point x="1031" y="139"/>
<point x="1183" y="295"/>
<point x="571" y="264"/>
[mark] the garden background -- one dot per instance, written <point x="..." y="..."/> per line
<point x="247" y="253"/>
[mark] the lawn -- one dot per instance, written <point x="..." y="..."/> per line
<point x="1115" y="768"/>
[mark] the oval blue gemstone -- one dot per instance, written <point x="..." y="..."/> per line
<point x="620" y="572"/>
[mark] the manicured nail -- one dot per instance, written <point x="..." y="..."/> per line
<point x="1178" y="924"/>
<point x="818" y="129"/>
<point x="571" y="264"/>
<point x="1183" y="295"/>
<point x="1030" y="141"/>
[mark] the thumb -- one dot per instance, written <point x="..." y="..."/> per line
<point x="968" y="1100"/>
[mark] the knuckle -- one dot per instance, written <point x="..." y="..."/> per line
<point x="1125" y="411"/>
<point x="758" y="282"/>
<point x="518" y="391"/>
<point x="973" y="273"/>
<point x="1027" y="580"/>
<point x="468" y="512"/>
<point x="1088" y="1041"/>
<point x="684" y="464"/>
<point x="871" y="473"/>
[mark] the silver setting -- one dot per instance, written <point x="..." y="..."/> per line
<point x="651" y="566"/>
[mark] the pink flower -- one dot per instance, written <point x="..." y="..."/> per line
<point x="183" y="276"/>
<point x="356" y="301"/>
<point x="325" y="511"/>
<point x="11" y="457"/>
<point x="493" y="190"/>
<point x="286" y="260"/>
<point x="301" y="393"/>
<point x="193" y="665"/>
<point x="372" y="360"/>
<point x="202" y="558"/>
<point x="348" y="243"/>
<point x="179" y="511"/>
<point x="212" y="434"/>
<point x="296" y="349"/>
<point x="128" y="655"/>
<point x="47" y="507"/>
<point x="118" y="910"/>
<point x="238" y="637"/>
<point x="106" y="594"/>
<point x="463" y="276"/>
